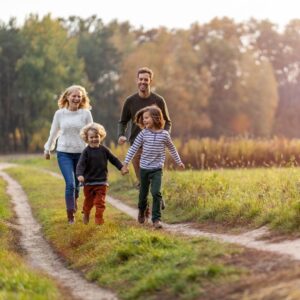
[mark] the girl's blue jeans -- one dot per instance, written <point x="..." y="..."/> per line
<point x="67" y="163"/>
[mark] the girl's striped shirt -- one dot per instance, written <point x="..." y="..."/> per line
<point x="154" y="144"/>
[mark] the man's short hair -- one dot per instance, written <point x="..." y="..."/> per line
<point x="145" y="70"/>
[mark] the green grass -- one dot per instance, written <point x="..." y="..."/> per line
<point x="17" y="280"/>
<point x="136" y="261"/>
<point x="234" y="198"/>
<point x="244" y="197"/>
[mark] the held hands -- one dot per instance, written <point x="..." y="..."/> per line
<point x="124" y="170"/>
<point x="80" y="179"/>
<point x="122" y="140"/>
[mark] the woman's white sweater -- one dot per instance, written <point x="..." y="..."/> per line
<point x="66" y="126"/>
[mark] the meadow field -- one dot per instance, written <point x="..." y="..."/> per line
<point x="141" y="263"/>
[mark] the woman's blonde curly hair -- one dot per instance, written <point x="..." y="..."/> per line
<point x="63" y="99"/>
<point x="98" y="128"/>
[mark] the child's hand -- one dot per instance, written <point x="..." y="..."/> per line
<point x="124" y="170"/>
<point x="122" y="140"/>
<point x="182" y="166"/>
<point x="80" y="178"/>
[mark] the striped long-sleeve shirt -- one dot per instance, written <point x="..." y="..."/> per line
<point x="154" y="145"/>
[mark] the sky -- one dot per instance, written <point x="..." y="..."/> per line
<point x="155" y="13"/>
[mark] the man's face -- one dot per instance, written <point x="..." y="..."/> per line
<point x="143" y="82"/>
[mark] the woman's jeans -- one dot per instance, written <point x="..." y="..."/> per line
<point x="67" y="163"/>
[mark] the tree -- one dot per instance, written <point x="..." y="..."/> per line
<point x="48" y="66"/>
<point x="101" y="60"/>
<point x="11" y="50"/>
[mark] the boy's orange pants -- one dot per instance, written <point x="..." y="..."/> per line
<point x="94" y="195"/>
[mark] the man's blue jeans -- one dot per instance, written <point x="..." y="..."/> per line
<point x="67" y="163"/>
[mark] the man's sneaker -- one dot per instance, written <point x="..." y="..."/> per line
<point x="85" y="219"/>
<point x="157" y="224"/>
<point x="141" y="217"/>
<point x="162" y="204"/>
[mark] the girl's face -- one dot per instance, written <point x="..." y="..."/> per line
<point x="147" y="120"/>
<point x="94" y="139"/>
<point x="74" y="99"/>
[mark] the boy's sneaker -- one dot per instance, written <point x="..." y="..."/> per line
<point x="157" y="224"/>
<point x="162" y="204"/>
<point x="99" y="222"/>
<point x="141" y="217"/>
<point x="85" y="219"/>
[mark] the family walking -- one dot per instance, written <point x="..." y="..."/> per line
<point x="82" y="158"/>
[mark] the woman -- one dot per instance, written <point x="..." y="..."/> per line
<point x="72" y="115"/>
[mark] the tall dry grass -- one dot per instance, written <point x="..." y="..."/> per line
<point x="207" y="153"/>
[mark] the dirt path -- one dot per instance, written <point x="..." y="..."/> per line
<point x="40" y="254"/>
<point x="250" y="239"/>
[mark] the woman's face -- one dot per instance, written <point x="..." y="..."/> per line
<point x="74" y="99"/>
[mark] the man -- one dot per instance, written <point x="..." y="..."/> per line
<point x="144" y="97"/>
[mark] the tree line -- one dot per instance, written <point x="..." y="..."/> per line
<point x="220" y="78"/>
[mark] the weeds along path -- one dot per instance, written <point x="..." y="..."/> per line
<point x="251" y="239"/>
<point x="40" y="254"/>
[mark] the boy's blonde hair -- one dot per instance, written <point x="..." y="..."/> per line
<point x="63" y="99"/>
<point x="98" y="128"/>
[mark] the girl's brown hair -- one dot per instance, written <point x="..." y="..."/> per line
<point x="155" y="113"/>
<point x="63" y="99"/>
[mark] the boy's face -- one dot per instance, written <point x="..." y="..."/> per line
<point x="94" y="139"/>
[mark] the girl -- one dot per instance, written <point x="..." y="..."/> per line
<point x="72" y="115"/>
<point x="153" y="139"/>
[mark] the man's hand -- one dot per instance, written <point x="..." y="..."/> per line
<point x="80" y="178"/>
<point x="122" y="139"/>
